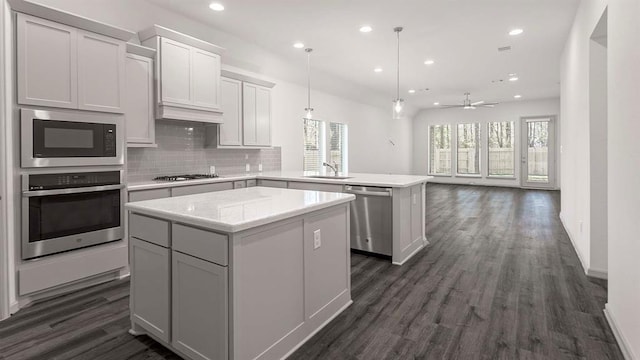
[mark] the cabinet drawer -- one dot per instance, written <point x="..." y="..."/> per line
<point x="149" y="229"/>
<point x="239" y="184"/>
<point x="273" y="183"/>
<point x="251" y="183"/>
<point x="315" y="186"/>
<point x="149" y="194"/>
<point x="199" y="189"/>
<point x="203" y="244"/>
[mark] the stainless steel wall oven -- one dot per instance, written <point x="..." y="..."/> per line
<point x="67" y="211"/>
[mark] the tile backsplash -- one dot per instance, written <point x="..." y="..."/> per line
<point x="181" y="150"/>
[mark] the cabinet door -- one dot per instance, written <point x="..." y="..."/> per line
<point x="263" y="116"/>
<point x="231" y="106"/>
<point x="138" y="103"/>
<point x="200" y="308"/>
<point x="249" y="115"/>
<point x="175" y="72"/>
<point x="205" y="79"/>
<point x="46" y="63"/>
<point x="100" y="72"/>
<point x="142" y="195"/>
<point x="150" y="294"/>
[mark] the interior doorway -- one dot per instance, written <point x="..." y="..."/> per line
<point x="538" y="152"/>
<point x="598" y="109"/>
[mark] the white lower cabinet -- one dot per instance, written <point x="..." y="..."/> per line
<point x="200" y="308"/>
<point x="150" y="276"/>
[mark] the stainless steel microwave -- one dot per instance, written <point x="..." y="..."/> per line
<point x="60" y="138"/>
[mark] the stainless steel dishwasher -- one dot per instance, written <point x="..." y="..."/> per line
<point x="371" y="219"/>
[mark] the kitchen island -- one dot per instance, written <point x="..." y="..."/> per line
<point x="389" y="219"/>
<point x="239" y="274"/>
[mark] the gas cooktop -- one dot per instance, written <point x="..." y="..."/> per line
<point x="185" y="177"/>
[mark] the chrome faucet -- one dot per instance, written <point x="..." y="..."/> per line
<point x="333" y="167"/>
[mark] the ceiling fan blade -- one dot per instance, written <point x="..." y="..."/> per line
<point x="477" y="103"/>
<point x="488" y="105"/>
<point x="450" y="106"/>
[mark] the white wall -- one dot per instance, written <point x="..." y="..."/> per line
<point x="509" y="111"/>
<point x="368" y="114"/>
<point x="623" y="127"/>
<point x="4" y="251"/>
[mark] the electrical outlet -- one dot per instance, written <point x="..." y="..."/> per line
<point x="248" y="167"/>
<point x="260" y="167"/>
<point x="246" y="156"/>
<point x="317" y="239"/>
<point x="212" y="169"/>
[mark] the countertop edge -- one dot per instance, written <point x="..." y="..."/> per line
<point x="162" y="185"/>
<point x="217" y="226"/>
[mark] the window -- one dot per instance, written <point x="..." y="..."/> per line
<point x="501" y="149"/>
<point x="468" y="149"/>
<point x="325" y="142"/>
<point x="440" y="150"/>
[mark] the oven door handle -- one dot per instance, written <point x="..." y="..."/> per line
<point x="28" y="193"/>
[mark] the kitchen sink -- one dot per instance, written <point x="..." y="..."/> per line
<point x="328" y="177"/>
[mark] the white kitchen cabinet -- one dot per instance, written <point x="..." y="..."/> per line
<point x="138" y="105"/>
<point x="256" y="114"/>
<point x="200" y="315"/>
<point x="187" y="76"/>
<point x="47" y="63"/>
<point x="150" y="288"/>
<point x="199" y="189"/>
<point x="141" y="195"/>
<point x="62" y="66"/>
<point x="100" y="72"/>
<point x="231" y="103"/>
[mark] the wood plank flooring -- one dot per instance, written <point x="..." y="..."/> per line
<point x="500" y="280"/>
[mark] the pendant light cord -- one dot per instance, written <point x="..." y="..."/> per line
<point x="398" y="30"/>
<point x="308" y="50"/>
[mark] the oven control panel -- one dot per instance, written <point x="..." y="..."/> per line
<point x="73" y="180"/>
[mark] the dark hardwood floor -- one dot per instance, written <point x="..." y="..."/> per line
<point x="500" y="280"/>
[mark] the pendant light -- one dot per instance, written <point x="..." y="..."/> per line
<point x="398" y="103"/>
<point x="308" y="110"/>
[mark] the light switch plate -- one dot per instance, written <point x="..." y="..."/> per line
<point x="260" y="167"/>
<point x="317" y="239"/>
<point x="248" y="167"/>
<point x="212" y="169"/>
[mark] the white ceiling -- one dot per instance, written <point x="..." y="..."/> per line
<point x="462" y="36"/>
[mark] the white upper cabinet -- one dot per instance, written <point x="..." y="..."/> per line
<point x="138" y="103"/>
<point x="62" y="66"/>
<point x="100" y="72"/>
<point x="231" y="104"/>
<point x="256" y="115"/>
<point x="188" y="76"/>
<point x="47" y="63"/>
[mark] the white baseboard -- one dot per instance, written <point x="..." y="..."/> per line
<point x="622" y="341"/>
<point x="591" y="272"/>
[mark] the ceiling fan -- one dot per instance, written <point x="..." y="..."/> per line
<point x="468" y="105"/>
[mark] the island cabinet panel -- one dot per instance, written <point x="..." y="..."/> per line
<point x="268" y="284"/>
<point x="149" y="229"/>
<point x="199" y="189"/>
<point x="142" y="195"/>
<point x="272" y="183"/>
<point x="200" y="308"/>
<point x="203" y="244"/>
<point x="408" y="220"/>
<point x="417" y="218"/>
<point x="150" y="294"/>
<point x="327" y="265"/>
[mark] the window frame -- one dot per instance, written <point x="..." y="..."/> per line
<point x="429" y="150"/>
<point x="515" y="153"/>
<point x="480" y="173"/>
<point x="325" y="145"/>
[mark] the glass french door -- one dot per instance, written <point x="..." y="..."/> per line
<point x="538" y="152"/>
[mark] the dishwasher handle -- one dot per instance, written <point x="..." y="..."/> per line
<point x="385" y="192"/>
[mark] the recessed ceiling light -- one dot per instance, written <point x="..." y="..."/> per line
<point x="378" y="69"/>
<point x="298" y="45"/>
<point x="517" y="96"/>
<point x="436" y="103"/>
<point x="429" y="62"/>
<point x="366" y="29"/>
<point x="515" y="32"/>
<point x="216" y="6"/>
<point x="412" y="91"/>
<point x="513" y="78"/>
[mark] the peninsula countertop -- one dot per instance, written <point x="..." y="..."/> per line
<point x="240" y="209"/>
<point x="364" y="179"/>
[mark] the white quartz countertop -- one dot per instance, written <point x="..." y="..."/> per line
<point x="240" y="209"/>
<point x="364" y="179"/>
